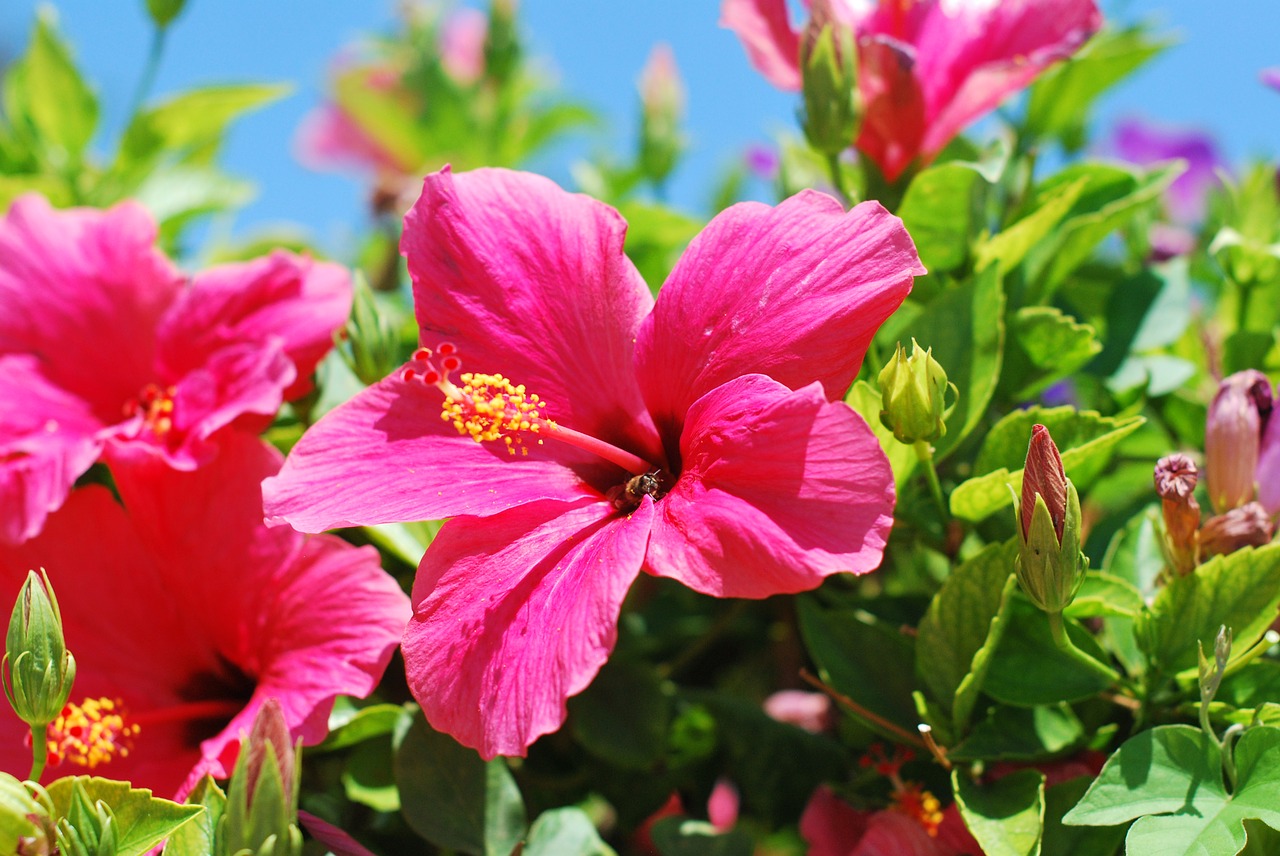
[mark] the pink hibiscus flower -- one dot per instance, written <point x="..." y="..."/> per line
<point x="703" y="437"/>
<point x="927" y="68"/>
<point x="104" y="345"/>
<point x="183" y="609"/>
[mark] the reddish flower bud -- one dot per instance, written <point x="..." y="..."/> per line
<point x="1050" y="566"/>
<point x="1044" y="475"/>
<point x="1246" y="526"/>
<point x="1175" y="480"/>
<point x="1233" y="432"/>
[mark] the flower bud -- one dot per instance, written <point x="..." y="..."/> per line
<point x="25" y="824"/>
<point x="662" y="105"/>
<point x="1237" y="418"/>
<point x="262" y="797"/>
<point x="829" y="81"/>
<point x="913" y="389"/>
<point x="502" y="42"/>
<point x="1175" y="479"/>
<point x="1050" y="566"/>
<point x="89" y="827"/>
<point x="1246" y="526"/>
<point x="369" y="347"/>
<point x="37" y="668"/>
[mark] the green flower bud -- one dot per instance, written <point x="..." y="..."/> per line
<point x="1050" y="566"/>
<point x="262" y="797"/>
<point x="89" y="828"/>
<point x="662" y="106"/>
<point x="38" y="670"/>
<point x="371" y="349"/>
<point x="913" y="390"/>
<point x="25" y="827"/>
<point x="502" y="42"/>
<point x="832" y="108"/>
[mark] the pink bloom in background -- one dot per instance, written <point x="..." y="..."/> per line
<point x="1146" y="143"/>
<point x="701" y="438"/>
<point x="1271" y="77"/>
<point x="330" y="140"/>
<point x="926" y="69"/>
<point x="811" y="711"/>
<point x="832" y="827"/>
<point x="188" y="610"/>
<point x="462" y="38"/>
<point x="105" y="346"/>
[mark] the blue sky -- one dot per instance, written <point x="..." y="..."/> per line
<point x="597" y="48"/>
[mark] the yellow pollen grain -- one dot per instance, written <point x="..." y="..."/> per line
<point x="91" y="733"/>
<point x="491" y="407"/>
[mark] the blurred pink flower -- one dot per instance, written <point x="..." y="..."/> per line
<point x="106" y="346"/>
<point x="810" y="711"/>
<point x="704" y="437"/>
<point x="1145" y="143"/>
<point x="462" y="38"/>
<point x="926" y="69"/>
<point x="1271" y="77"/>
<point x="188" y="610"/>
<point x="832" y="827"/>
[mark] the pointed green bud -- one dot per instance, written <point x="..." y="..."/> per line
<point x="370" y="347"/>
<point x="262" y="797"/>
<point x="37" y="668"/>
<point x="89" y="828"/>
<point x="832" y="108"/>
<point x="662" y="107"/>
<point x="502" y="42"/>
<point x="1050" y="566"/>
<point x="913" y="390"/>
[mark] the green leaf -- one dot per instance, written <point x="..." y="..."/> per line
<point x="678" y="836"/>
<point x="868" y="660"/>
<point x="961" y="629"/>
<point x="164" y="11"/>
<point x="377" y="720"/>
<point x="1104" y="595"/>
<point x="1061" y="98"/>
<point x="1060" y="840"/>
<point x="1005" y="816"/>
<point x="940" y="210"/>
<point x="1055" y="345"/>
<point x="61" y="106"/>
<point x="141" y="820"/>
<point x="193" y="119"/>
<point x="16" y="807"/>
<point x="200" y="837"/>
<point x="368" y="776"/>
<point x="1030" y="669"/>
<point x="1250" y="688"/>
<point x="1085" y="439"/>
<point x="1021" y="734"/>
<point x="656" y="236"/>
<point x="1007" y="249"/>
<point x="965" y="328"/>
<point x="453" y="799"/>
<point x="565" y="832"/>
<point x="868" y="401"/>
<point x="1170" y="779"/>
<point x="623" y="716"/>
<point x="1240" y="590"/>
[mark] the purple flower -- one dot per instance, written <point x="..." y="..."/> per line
<point x="1142" y="142"/>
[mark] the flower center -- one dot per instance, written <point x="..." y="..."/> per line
<point x="91" y="733"/>
<point x="156" y="406"/>
<point x="916" y="802"/>
<point x="489" y="407"/>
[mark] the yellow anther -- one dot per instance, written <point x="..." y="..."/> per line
<point x="489" y="407"/>
<point x="91" y="733"/>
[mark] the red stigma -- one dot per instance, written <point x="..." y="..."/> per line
<point x="447" y="349"/>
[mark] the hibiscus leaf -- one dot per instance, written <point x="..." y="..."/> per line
<point x="624" y="715"/>
<point x="1030" y="669"/>
<point x="1050" y="345"/>
<point x="141" y="820"/>
<point x="1005" y="816"/>
<point x="962" y="628"/>
<point x="679" y="836"/>
<point x="1021" y="734"/>
<point x="656" y="236"/>
<point x="199" y="838"/>
<point x="54" y="97"/>
<point x="194" y="119"/>
<point x="1006" y="249"/>
<point x="868" y="401"/>
<point x="1060" y="840"/>
<point x="454" y="799"/>
<point x="1240" y="590"/>
<point x="1104" y="595"/>
<point x="364" y="724"/>
<point x="565" y="832"/>
<point x="368" y="776"/>
<point x="1170" y="779"/>
<point x="940" y="210"/>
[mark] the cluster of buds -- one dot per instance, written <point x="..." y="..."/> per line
<point x="38" y="670"/>
<point x="913" y="391"/>
<point x="1187" y="543"/>
<point x="1050" y="566"/>
<point x="262" y="797"/>
<point x="829" y="81"/>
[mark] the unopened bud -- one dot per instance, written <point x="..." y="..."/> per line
<point x="369" y="347"/>
<point x="1211" y="671"/>
<point x="829" y="81"/>
<point x="262" y="797"/>
<point x="913" y="390"/>
<point x="89" y="827"/>
<point x="1233" y="433"/>
<point x="662" y="105"/>
<point x="1050" y="566"/>
<point x="1246" y="526"/>
<point x="1175" y="479"/>
<point x="502" y="42"/>
<point x="25" y="825"/>
<point x="38" y="670"/>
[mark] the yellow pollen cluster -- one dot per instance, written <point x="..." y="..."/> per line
<point x="489" y="407"/>
<point x="91" y="733"/>
<point x="919" y="803"/>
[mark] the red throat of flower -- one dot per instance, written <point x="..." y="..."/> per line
<point x="156" y="406"/>
<point x="490" y="408"/>
<point x="1044" y="475"/>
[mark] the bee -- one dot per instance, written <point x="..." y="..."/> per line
<point x="646" y="484"/>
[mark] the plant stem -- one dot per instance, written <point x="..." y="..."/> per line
<point x="1060" y="638"/>
<point x="148" y="78"/>
<point x="837" y="177"/>
<point x="39" y="751"/>
<point x="925" y="453"/>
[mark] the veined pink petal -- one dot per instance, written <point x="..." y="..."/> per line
<point x="515" y="613"/>
<point x="82" y="290"/>
<point x="795" y="292"/>
<point x="780" y="489"/>
<point x="387" y="456"/>
<point x="291" y="298"/>
<point x="530" y="281"/>
<point x="48" y="438"/>
<point x="772" y="45"/>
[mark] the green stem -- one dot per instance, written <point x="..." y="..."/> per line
<point x="837" y="176"/>
<point x="925" y="453"/>
<point x="39" y="750"/>
<point x="1060" y="638"/>
<point x="148" y="78"/>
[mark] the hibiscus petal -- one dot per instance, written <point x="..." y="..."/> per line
<point x="530" y="281"/>
<point x="795" y="292"/>
<point x="280" y="300"/>
<point x="779" y="490"/>
<point x="386" y="456"/>
<point x="517" y="612"/>
<point x="48" y="438"/>
<point x="82" y="291"/>
<point x="765" y="30"/>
